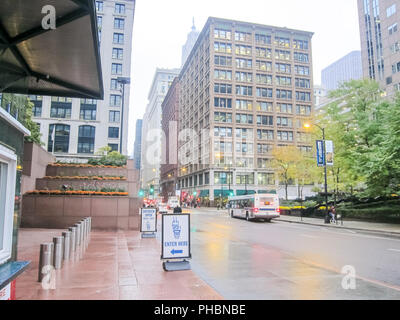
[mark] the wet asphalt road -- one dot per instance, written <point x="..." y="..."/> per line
<point x="255" y="260"/>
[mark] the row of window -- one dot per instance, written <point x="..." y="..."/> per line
<point x="86" y="138"/>
<point x="222" y="47"/>
<point x="262" y="134"/>
<point x="261" y="93"/>
<point x="223" y="117"/>
<point x="118" y="9"/>
<point x="262" y="106"/>
<point x="267" y="79"/>
<point x="260" y="39"/>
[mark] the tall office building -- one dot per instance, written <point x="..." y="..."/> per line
<point x="245" y="88"/>
<point x="190" y="42"/>
<point x="151" y="130"/>
<point x="380" y="42"/>
<point x="82" y="126"/>
<point x="345" y="69"/>
<point x="137" y="149"/>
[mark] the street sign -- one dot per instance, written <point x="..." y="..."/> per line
<point x="148" y="221"/>
<point x="175" y="236"/>
<point x="320" y="153"/>
<point x="329" y="152"/>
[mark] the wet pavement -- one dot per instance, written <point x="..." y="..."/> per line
<point x="256" y="260"/>
<point x="114" y="266"/>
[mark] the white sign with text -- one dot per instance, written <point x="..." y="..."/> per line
<point x="148" y="220"/>
<point x="176" y="236"/>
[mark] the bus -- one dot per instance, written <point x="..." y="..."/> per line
<point x="255" y="207"/>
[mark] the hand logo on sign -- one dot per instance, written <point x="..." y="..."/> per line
<point x="176" y="228"/>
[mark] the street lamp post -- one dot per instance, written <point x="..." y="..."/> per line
<point x="325" y="170"/>
<point x="123" y="81"/>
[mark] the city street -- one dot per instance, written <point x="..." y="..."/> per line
<point x="279" y="260"/>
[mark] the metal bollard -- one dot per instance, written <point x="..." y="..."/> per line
<point x="90" y="224"/>
<point x="67" y="244"/>
<point x="83" y="238"/>
<point x="58" y="252"/>
<point x="78" y="234"/>
<point x="73" y="238"/>
<point x="45" y="259"/>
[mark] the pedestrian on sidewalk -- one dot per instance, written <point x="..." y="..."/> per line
<point x="178" y="209"/>
<point x="332" y="213"/>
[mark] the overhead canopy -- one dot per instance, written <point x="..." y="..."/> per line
<point x="64" y="61"/>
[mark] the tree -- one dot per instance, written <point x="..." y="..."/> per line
<point x="306" y="172"/>
<point x="284" y="163"/>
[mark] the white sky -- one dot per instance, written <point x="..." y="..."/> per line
<point x="161" y="27"/>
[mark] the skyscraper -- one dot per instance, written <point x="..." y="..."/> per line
<point x="380" y="42"/>
<point x="190" y="42"/>
<point x="343" y="70"/>
<point x="82" y="126"/>
<point x="245" y="88"/>
<point x="137" y="149"/>
<point x="151" y="130"/>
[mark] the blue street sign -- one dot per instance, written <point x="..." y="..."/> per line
<point x="320" y="153"/>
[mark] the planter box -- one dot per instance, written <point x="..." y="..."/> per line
<point x="61" y="212"/>
<point x="77" y="171"/>
<point x="56" y="184"/>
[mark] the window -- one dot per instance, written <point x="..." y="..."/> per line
<point x="303" y="110"/>
<point x="283" y="67"/>
<point x="117" y="53"/>
<point x="61" y="135"/>
<point x="223" y="103"/>
<point x="283" y="94"/>
<point x="285" y="135"/>
<point x="244" y="63"/>
<point x="283" y="81"/>
<point x="61" y="107"/>
<point x="119" y="8"/>
<point x="263" y="65"/>
<point x="118" y="38"/>
<point x="222" y="74"/>
<point x="300" y="44"/>
<point x="303" y="96"/>
<point x="8" y="163"/>
<point x="264" y="106"/>
<point x="263" y="52"/>
<point x="114" y="84"/>
<point x="242" y="36"/>
<point x="263" y="163"/>
<point x="243" y="50"/>
<point x="244" y="162"/>
<point x="244" y="105"/>
<point x="244" y="118"/>
<point x="113" y="146"/>
<point x="222" y="178"/>
<point x="302" y="70"/>
<point x="262" y="39"/>
<point x="263" y="148"/>
<point x="115" y="100"/>
<point x="114" y="116"/>
<point x="223" y="117"/>
<point x="244" y="76"/>
<point x="265" y="120"/>
<point x="99" y="22"/>
<point x="37" y="105"/>
<point x="116" y="68"/>
<point x="266" y="179"/>
<point x="264" y="78"/>
<point x="99" y="6"/>
<point x="221" y="47"/>
<point x="222" y="132"/>
<point x="282" y="42"/>
<point x="303" y="83"/>
<point x="223" y="147"/>
<point x="223" y="61"/>
<point x="88" y="109"/>
<point x="244" y="90"/>
<point x="284" y="108"/>
<point x="391" y="10"/>
<point x="265" y="134"/>
<point x="119" y="23"/>
<point x="244" y="133"/>
<point x="302" y="57"/>
<point x="282" y="54"/>
<point x="284" y="122"/>
<point x="223" y="88"/>
<point x="86" y="138"/>
<point x="244" y="178"/>
<point x="222" y="34"/>
<point x="264" y="92"/>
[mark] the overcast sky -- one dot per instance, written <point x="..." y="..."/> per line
<point x="161" y="27"/>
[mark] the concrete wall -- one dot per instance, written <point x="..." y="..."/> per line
<point x="56" y="184"/>
<point x="35" y="161"/>
<point x="60" y="212"/>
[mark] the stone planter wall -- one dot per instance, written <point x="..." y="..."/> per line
<point x="56" y="184"/>
<point x="76" y="171"/>
<point x="60" y="212"/>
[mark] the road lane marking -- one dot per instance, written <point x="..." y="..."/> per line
<point x="308" y="236"/>
<point x="394" y="250"/>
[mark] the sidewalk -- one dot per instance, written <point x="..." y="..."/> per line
<point x="385" y="228"/>
<point x="115" y="266"/>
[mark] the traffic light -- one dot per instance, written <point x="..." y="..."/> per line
<point x="141" y="193"/>
<point x="231" y="194"/>
<point x="151" y="189"/>
<point x="194" y="193"/>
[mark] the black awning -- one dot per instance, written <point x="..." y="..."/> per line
<point x="64" y="61"/>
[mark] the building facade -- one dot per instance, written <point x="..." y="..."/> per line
<point x="74" y="129"/>
<point x="380" y="42"/>
<point x="169" y="124"/>
<point x="151" y="131"/>
<point x="137" y="149"/>
<point x="345" y="69"/>
<point x="245" y="88"/>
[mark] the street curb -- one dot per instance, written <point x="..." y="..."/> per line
<point x="388" y="233"/>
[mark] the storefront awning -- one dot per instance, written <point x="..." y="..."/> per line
<point x="204" y="193"/>
<point x="223" y="193"/>
<point x="64" y="61"/>
<point x="244" y="192"/>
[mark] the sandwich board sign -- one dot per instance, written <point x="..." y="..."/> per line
<point x="175" y="241"/>
<point x="148" y="222"/>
